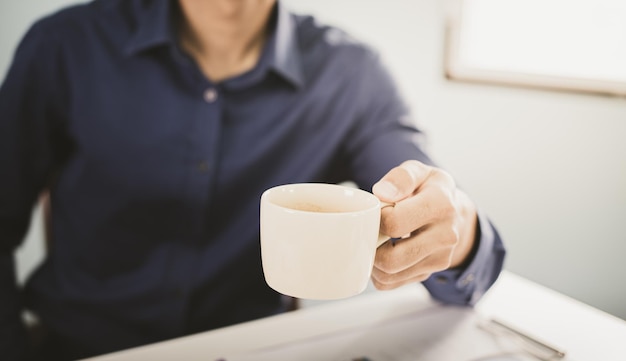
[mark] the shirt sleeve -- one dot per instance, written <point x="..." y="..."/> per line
<point x="27" y="108"/>
<point x="466" y="285"/>
<point x="386" y="135"/>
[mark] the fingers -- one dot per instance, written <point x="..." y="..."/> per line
<point x="394" y="258"/>
<point x="417" y="273"/>
<point x="390" y="285"/>
<point x="402" y="181"/>
<point x="414" y="259"/>
<point x="434" y="201"/>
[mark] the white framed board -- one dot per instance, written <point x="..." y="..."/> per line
<point x="573" y="45"/>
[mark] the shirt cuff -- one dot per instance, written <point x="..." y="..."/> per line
<point x="465" y="286"/>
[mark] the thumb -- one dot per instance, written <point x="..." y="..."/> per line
<point x="401" y="181"/>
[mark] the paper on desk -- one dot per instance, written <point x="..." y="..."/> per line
<point x="436" y="334"/>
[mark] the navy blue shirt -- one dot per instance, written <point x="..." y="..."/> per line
<point x="155" y="172"/>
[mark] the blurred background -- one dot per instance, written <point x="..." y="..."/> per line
<point x="548" y="167"/>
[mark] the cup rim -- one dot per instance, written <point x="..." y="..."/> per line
<point x="268" y="192"/>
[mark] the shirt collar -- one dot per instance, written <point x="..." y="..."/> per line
<point x="155" y="27"/>
<point x="286" y="58"/>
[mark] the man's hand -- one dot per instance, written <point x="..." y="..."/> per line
<point x="437" y="223"/>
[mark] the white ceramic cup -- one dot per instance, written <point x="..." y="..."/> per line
<point x="318" y="241"/>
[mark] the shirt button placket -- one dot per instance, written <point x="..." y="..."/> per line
<point x="210" y="96"/>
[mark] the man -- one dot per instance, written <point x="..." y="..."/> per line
<point x="156" y="125"/>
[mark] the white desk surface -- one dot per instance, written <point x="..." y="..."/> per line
<point x="441" y="332"/>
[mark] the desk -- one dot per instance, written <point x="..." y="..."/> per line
<point x="441" y="332"/>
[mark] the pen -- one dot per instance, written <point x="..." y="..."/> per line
<point x="557" y="352"/>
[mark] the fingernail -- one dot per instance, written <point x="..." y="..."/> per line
<point x="385" y="190"/>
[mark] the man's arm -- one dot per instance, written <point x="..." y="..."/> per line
<point x="12" y="334"/>
<point x="27" y="108"/>
<point x="447" y="243"/>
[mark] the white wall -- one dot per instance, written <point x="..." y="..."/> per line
<point x="549" y="167"/>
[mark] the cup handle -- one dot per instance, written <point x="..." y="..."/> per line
<point x="382" y="238"/>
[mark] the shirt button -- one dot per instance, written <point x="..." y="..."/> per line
<point x="210" y="95"/>
<point x="203" y="166"/>
<point x="467" y="280"/>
